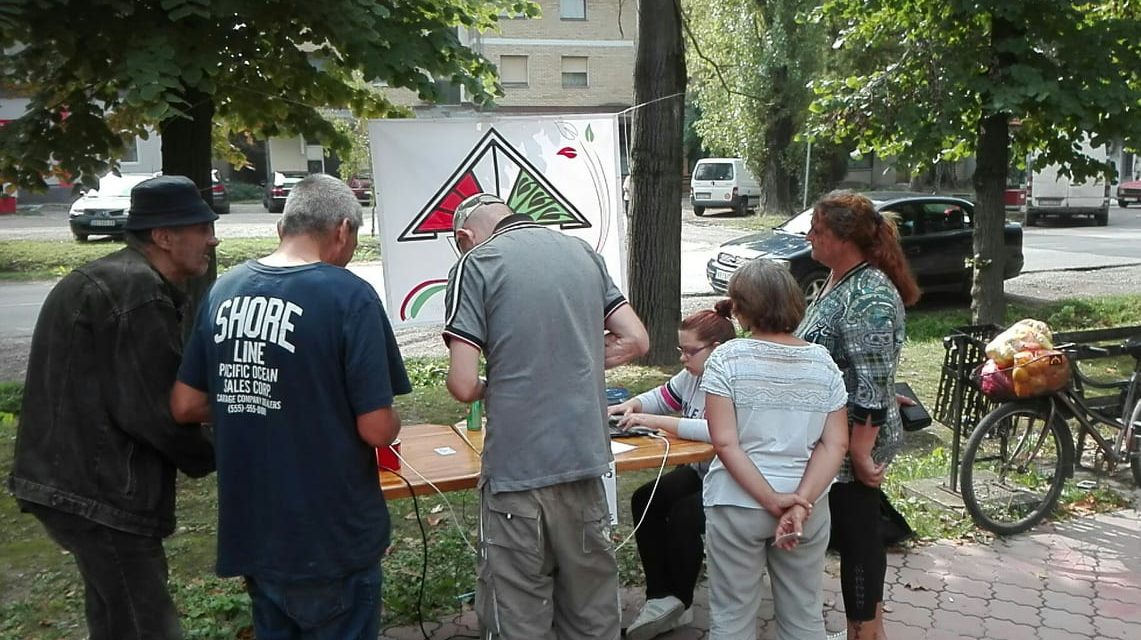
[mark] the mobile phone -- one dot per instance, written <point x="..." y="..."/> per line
<point x="785" y="537"/>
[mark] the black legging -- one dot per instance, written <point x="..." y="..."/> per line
<point x="669" y="540"/>
<point x="855" y="509"/>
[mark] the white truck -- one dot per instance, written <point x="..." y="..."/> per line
<point x="1049" y="193"/>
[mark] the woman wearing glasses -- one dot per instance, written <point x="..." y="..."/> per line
<point x="669" y="539"/>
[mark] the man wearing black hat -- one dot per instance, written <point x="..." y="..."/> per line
<point x="97" y="448"/>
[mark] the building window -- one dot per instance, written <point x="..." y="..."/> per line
<point x="513" y="71"/>
<point x="450" y="92"/>
<point x="572" y="9"/>
<point x="861" y="163"/>
<point x="574" y="71"/>
<point x="130" y="150"/>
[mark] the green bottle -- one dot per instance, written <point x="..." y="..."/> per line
<point x="475" y="416"/>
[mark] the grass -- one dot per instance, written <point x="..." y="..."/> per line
<point x="49" y="259"/>
<point x="245" y="192"/>
<point x="41" y="596"/>
<point x="11" y="393"/>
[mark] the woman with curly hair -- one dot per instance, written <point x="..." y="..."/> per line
<point x="859" y="318"/>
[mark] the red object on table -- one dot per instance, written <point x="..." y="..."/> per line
<point x="386" y="457"/>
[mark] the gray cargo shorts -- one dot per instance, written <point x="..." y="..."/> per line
<point x="547" y="569"/>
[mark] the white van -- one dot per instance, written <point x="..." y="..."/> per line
<point x="723" y="183"/>
<point x="1051" y="194"/>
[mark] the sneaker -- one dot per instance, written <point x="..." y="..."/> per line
<point x="657" y="616"/>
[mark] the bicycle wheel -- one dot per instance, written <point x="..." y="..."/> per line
<point x="1134" y="446"/>
<point x="1014" y="466"/>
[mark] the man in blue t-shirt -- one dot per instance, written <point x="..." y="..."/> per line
<point x="294" y="362"/>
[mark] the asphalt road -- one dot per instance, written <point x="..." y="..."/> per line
<point x="49" y="222"/>
<point x="19" y="305"/>
<point x="1062" y="260"/>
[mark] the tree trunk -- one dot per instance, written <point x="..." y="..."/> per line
<point x="656" y="165"/>
<point x="988" y="302"/>
<point x="776" y="196"/>
<point x="988" y="299"/>
<point x="186" y="151"/>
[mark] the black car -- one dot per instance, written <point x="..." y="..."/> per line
<point x="277" y="190"/>
<point x="935" y="231"/>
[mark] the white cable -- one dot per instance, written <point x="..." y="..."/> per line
<point x="455" y="518"/>
<point x="653" y="490"/>
<point x="459" y="527"/>
<point x="649" y="102"/>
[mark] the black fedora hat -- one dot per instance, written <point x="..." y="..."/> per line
<point x="167" y="201"/>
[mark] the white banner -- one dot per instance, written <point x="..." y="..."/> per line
<point x="559" y="170"/>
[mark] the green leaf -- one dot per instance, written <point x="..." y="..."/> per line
<point x="257" y="66"/>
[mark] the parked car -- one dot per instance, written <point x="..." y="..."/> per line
<point x="277" y="190"/>
<point x="361" y="184"/>
<point x="723" y="183"/>
<point x="103" y="211"/>
<point x="219" y="194"/>
<point x="935" y="231"/>
<point x="1129" y="192"/>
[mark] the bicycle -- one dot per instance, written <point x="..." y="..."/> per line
<point x="1020" y="455"/>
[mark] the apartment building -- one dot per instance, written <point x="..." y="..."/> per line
<point x="577" y="56"/>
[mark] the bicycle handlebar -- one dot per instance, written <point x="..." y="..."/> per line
<point x="1079" y="349"/>
<point x="1128" y="347"/>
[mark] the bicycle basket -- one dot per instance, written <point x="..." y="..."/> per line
<point x="965" y="351"/>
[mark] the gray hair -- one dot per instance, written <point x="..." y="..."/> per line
<point x="317" y="204"/>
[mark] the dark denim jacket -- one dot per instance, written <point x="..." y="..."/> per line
<point x="96" y="437"/>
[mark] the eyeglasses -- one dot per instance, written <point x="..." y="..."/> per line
<point x="690" y="352"/>
<point x="469" y="205"/>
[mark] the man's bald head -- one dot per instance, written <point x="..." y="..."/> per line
<point x="485" y="217"/>
<point x="475" y="219"/>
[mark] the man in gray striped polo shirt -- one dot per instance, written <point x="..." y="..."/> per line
<point x="541" y="308"/>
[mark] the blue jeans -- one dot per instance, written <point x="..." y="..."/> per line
<point x="346" y="608"/>
<point x="125" y="595"/>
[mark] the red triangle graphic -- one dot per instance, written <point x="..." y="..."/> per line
<point x="548" y="207"/>
<point x="440" y="220"/>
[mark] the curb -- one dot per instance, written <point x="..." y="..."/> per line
<point x="1096" y="267"/>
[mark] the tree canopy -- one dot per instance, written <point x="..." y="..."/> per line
<point x="1062" y="69"/>
<point x="751" y="62"/>
<point x="944" y="79"/>
<point x="99" y="71"/>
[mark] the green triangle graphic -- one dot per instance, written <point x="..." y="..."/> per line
<point x="529" y="198"/>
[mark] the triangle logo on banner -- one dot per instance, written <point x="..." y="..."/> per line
<point x="494" y="166"/>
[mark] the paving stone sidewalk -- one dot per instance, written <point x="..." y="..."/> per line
<point x="1070" y="580"/>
